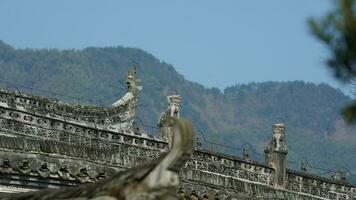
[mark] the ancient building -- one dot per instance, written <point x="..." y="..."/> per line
<point x="45" y="143"/>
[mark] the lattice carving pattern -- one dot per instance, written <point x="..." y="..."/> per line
<point x="230" y="168"/>
<point x="317" y="188"/>
<point x="104" y="116"/>
<point x="26" y="124"/>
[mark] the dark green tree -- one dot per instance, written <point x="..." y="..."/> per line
<point x="338" y="31"/>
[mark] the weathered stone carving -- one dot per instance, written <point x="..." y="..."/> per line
<point x="276" y="154"/>
<point x="133" y="85"/>
<point x="156" y="180"/>
<point x="164" y="123"/>
<point x="174" y="104"/>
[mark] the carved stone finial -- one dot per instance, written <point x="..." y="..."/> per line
<point x="303" y="167"/>
<point x="131" y="79"/>
<point x="279" y="140"/>
<point x="276" y="154"/>
<point x="246" y="155"/>
<point x="198" y="144"/>
<point x="339" y="176"/>
<point x="172" y="111"/>
<point x="174" y="105"/>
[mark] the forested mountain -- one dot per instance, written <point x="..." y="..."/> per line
<point x="241" y="114"/>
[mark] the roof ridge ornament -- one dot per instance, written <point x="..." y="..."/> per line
<point x="133" y="84"/>
<point x="164" y="124"/>
<point x="276" y="154"/>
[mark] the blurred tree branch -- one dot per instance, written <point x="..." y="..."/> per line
<point x="338" y="31"/>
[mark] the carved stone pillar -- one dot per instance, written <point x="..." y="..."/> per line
<point x="174" y="105"/>
<point x="164" y="123"/>
<point x="276" y="154"/>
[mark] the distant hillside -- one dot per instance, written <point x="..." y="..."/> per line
<point x="238" y="115"/>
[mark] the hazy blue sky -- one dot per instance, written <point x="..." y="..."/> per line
<point x="216" y="43"/>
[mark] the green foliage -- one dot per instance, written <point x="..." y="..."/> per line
<point x="240" y="114"/>
<point x="349" y="112"/>
<point x="338" y="31"/>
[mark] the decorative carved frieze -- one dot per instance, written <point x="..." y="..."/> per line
<point x="105" y="116"/>
<point x="318" y="187"/>
<point x="25" y="124"/>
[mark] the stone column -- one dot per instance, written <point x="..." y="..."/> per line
<point x="276" y="154"/>
<point x="164" y="122"/>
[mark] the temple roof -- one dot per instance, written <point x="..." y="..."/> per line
<point x="157" y="179"/>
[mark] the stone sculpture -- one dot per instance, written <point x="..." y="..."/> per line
<point x="172" y="111"/>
